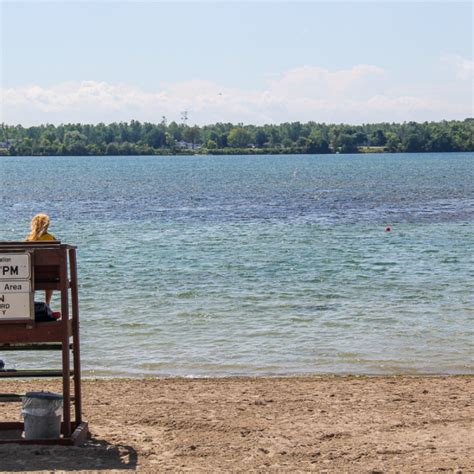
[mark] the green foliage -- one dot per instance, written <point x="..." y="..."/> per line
<point x="378" y="138"/>
<point x="393" y="143"/>
<point x="192" y="135"/>
<point x="347" y="143"/>
<point x="136" y="138"/>
<point x="260" y="138"/>
<point x="238" y="138"/>
<point x="211" y="145"/>
<point x="315" y="144"/>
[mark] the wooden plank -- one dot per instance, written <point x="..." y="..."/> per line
<point x="11" y="425"/>
<point x="48" y="257"/>
<point x="32" y="347"/>
<point x="35" y="373"/>
<point x="30" y="243"/>
<point x="48" y="271"/>
<point x="38" y="244"/>
<point x="47" y="285"/>
<point x="39" y="332"/>
<point x="15" y="397"/>
<point x="10" y="397"/>
<point x="77" y="438"/>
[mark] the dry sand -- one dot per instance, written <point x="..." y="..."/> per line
<point x="323" y="424"/>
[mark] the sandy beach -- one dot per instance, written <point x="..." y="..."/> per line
<point x="323" y="424"/>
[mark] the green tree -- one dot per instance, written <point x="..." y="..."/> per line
<point x="214" y="136"/>
<point x="112" y="149"/>
<point x="75" y="143"/>
<point x="238" y="138"/>
<point x="393" y="143"/>
<point x="274" y="136"/>
<point x="441" y="141"/>
<point x="348" y="143"/>
<point x="378" y="138"/>
<point x="192" y="135"/>
<point x="302" y="142"/>
<point x="223" y="140"/>
<point x="260" y="138"/>
<point x="294" y="131"/>
<point x="135" y="133"/>
<point x="155" y="138"/>
<point x="316" y="144"/>
<point x="413" y="143"/>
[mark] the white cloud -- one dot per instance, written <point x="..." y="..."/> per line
<point x="314" y="82"/>
<point x="355" y="95"/>
<point x="463" y="67"/>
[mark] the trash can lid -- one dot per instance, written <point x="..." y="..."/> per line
<point x="44" y="395"/>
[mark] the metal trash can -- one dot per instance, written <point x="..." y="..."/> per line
<point x="42" y="412"/>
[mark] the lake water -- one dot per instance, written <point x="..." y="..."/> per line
<point x="257" y="265"/>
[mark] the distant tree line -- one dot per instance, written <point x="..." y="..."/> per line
<point x="136" y="138"/>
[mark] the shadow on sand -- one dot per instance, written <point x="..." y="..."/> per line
<point x="95" y="455"/>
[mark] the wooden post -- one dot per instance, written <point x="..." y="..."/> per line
<point x="76" y="340"/>
<point x="65" y="343"/>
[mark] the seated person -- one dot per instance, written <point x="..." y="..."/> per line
<point x="39" y="231"/>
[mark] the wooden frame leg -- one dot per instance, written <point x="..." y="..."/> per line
<point x="65" y="348"/>
<point x="75" y="337"/>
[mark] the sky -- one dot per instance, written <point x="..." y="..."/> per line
<point x="242" y="62"/>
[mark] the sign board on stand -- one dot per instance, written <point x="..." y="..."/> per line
<point x="16" y="289"/>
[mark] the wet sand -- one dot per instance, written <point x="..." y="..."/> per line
<point x="323" y="424"/>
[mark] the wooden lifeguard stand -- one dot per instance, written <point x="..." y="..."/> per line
<point x="26" y="267"/>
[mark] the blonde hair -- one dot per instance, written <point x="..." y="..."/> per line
<point x="39" y="227"/>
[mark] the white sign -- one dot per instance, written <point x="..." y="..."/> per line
<point x="15" y="286"/>
<point x="16" y="297"/>
<point x="15" y="306"/>
<point x="15" y="266"/>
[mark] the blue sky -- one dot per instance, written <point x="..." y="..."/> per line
<point x="250" y="62"/>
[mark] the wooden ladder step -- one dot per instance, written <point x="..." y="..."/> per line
<point x="10" y="397"/>
<point x="32" y="347"/>
<point x="13" y="373"/>
<point x="15" y="397"/>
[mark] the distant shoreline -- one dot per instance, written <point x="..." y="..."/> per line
<point x="239" y="153"/>
<point x="295" y="138"/>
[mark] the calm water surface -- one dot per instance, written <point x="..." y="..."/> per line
<point x="260" y="265"/>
